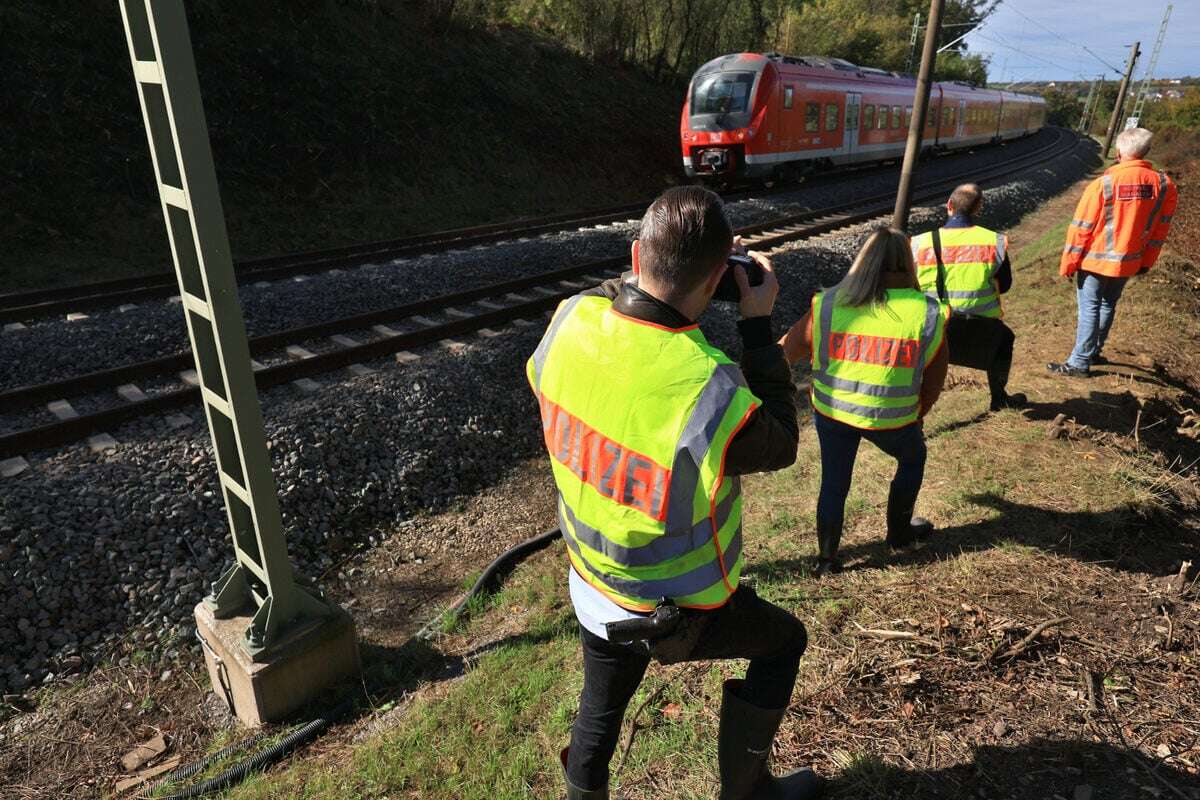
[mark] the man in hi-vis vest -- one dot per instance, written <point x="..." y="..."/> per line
<point x="648" y="427"/>
<point x="966" y="266"/>
<point x="1118" y="231"/>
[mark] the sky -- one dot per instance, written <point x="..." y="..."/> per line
<point x="1044" y="39"/>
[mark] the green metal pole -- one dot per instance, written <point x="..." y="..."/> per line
<point x="164" y="70"/>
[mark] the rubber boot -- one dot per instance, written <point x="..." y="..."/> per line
<point x="903" y="529"/>
<point x="829" y="536"/>
<point x="743" y="745"/>
<point x="574" y="792"/>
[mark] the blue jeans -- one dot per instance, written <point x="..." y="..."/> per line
<point x="839" y="449"/>
<point x="1097" y="296"/>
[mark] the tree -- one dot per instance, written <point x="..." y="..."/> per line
<point x="1062" y="108"/>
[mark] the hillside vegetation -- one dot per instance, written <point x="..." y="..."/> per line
<point x="330" y="122"/>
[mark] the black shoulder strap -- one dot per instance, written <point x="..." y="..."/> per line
<point x="941" y="266"/>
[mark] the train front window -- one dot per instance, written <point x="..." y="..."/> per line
<point x="722" y="93"/>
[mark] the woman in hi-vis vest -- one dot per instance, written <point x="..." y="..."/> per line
<point x="876" y="345"/>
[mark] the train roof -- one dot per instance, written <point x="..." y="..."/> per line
<point x="822" y="65"/>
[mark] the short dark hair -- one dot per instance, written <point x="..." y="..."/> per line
<point x="684" y="235"/>
<point x="966" y="199"/>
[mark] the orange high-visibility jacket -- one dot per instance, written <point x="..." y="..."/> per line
<point x="1121" y="221"/>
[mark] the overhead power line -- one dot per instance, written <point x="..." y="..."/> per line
<point x="1068" y="41"/>
<point x="1071" y="70"/>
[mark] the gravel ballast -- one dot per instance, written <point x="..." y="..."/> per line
<point x="110" y="549"/>
<point x="49" y="349"/>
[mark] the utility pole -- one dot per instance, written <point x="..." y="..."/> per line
<point x="916" y="126"/>
<point x="1144" y="88"/>
<point x="271" y="642"/>
<point x="1119" y="105"/>
<point x="1091" y="115"/>
<point x="912" y="43"/>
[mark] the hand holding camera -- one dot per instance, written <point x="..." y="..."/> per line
<point x="749" y="280"/>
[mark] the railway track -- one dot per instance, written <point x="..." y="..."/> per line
<point x="40" y="303"/>
<point x="394" y="332"/>
<point x="20" y="307"/>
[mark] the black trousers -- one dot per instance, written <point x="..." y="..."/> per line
<point x="745" y="627"/>
<point x="982" y="343"/>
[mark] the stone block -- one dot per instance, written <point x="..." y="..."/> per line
<point x="101" y="442"/>
<point x="190" y="377"/>
<point x="306" y="385"/>
<point x="179" y="420"/>
<point x="308" y="660"/>
<point x="488" y="304"/>
<point x="452" y="345"/>
<point x="76" y="316"/>
<point x="358" y="370"/>
<point x="297" y="353"/>
<point x="12" y="467"/>
<point x="426" y="321"/>
<point x="344" y="340"/>
<point x="129" y="392"/>
<point x="62" y="409"/>
<point x="13" y="327"/>
<point x="459" y="313"/>
<point x="126" y="307"/>
<point x="405" y="357"/>
<point x="385" y="331"/>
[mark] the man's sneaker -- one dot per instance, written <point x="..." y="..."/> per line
<point x="1068" y="370"/>
<point x="1015" y="400"/>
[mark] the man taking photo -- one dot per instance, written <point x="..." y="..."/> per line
<point x="648" y="427"/>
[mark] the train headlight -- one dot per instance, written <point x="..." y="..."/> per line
<point x="741" y="135"/>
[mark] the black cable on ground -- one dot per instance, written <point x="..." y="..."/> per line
<point x="240" y="771"/>
<point x="490" y="580"/>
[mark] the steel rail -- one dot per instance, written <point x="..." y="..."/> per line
<point x="765" y="235"/>
<point x="40" y="303"/>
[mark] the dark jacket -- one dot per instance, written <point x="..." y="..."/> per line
<point x="769" y="438"/>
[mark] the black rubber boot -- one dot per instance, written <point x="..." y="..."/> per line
<point x="1003" y="401"/>
<point x="574" y="792"/>
<point x="829" y="536"/>
<point x="743" y="745"/>
<point x="903" y="529"/>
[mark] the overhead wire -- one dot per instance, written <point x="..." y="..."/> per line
<point x="1063" y="38"/>
<point x="1070" y="70"/>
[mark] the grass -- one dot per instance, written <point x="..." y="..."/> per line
<point x="1030" y="529"/>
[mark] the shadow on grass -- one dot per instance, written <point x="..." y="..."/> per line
<point x="1122" y="538"/>
<point x="1039" y="769"/>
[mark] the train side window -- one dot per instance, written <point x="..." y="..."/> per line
<point x="831" y="116"/>
<point x="907" y="116"/>
<point x="868" y="117"/>
<point x="812" y="117"/>
<point x="787" y="97"/>
<point x="895" y="117"/>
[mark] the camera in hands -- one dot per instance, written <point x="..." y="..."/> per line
<point x="727" y="289"/>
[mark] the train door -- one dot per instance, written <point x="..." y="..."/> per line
<point x="962" y="119"/>
<point x="850" y="145"/>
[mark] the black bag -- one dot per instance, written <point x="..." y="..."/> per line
<point x="973" y="341"/>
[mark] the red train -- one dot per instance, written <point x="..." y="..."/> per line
<point x="771" y="116"/>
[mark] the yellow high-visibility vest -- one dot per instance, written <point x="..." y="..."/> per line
<point x="868" y="360"/>
<point x="971" y="257"/>
<point x="637" y="418"/>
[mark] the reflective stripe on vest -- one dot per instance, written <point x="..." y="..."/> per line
<point x="867" y="366"/>
<point x="972" y="256"/>
<point x="637" y="419"/>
